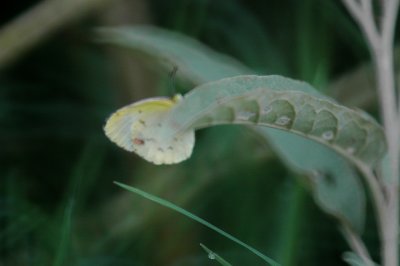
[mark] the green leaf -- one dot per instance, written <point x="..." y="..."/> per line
<point x="199" y="65"/>
<point x="294" y="107"/>
<point x="282" y="103"/>
<point x="196" y="62"/>
<point x="172" y="206"/>
<point x="334" y="182"/>
<point x="65" y="234"/>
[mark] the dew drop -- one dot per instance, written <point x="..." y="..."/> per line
<point x="211" y="256"/>
<point x="351" y="150"/>
<point x="316" y="173"/>
<point x="266" y="109"/>
<point x="282" y="120"/>
<point x="245" y="115"/>
<point x="328" y="135"/>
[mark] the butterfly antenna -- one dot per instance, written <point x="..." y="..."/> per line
<point x="172" y="76"/>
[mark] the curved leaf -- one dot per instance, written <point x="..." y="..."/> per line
<point x="165" y="47"/>
<point x="282" y="103"/>
<point x="196" y="62"/>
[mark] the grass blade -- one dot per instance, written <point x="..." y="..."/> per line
<point x="172" y="206"/>
<point x="65" y="234"/>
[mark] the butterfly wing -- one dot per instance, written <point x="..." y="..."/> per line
<point x="138" y="127"/>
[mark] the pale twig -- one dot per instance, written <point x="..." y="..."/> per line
<point x="389" y="20"/>
<point x="386" y="86"/>
<point x="377" y="193"/>
<point x="354" y="8"/>
<point x="383" y="57"/>
<point x="388" y="33"/>
<point x="22" y="33"/>
<point x="380" y="41"/>
<point x="364" y="17"/>
<point x="357" y="245"/>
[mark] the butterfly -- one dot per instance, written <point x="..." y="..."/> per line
<point x="139" y="128"/>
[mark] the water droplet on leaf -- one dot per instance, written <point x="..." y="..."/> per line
<point x="328" y="135"/>
<point x="266" y="110"/>
<point x="282" y="120"/>
<point x="211" y="256"/>
<point x="245" y="115"/>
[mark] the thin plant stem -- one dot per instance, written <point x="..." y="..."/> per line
<point x="357" y="245"/>
<point x="360" y="15"/>
<point x="378" y="198"/>
<point x="33" y="26"/>
<point x="380" y="37"/>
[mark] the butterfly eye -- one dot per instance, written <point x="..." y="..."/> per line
<point x="138" y="141"/>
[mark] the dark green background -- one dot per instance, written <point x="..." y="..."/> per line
<point x="58" y="205"/>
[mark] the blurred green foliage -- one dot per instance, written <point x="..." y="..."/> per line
<point x="58" y="205"/>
